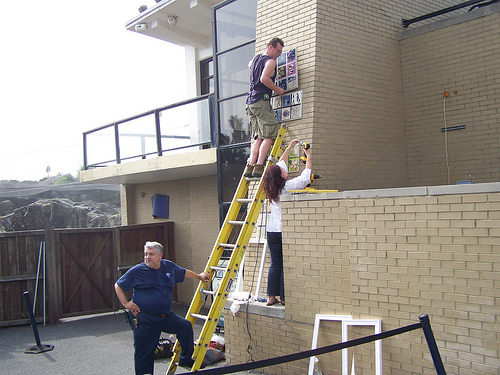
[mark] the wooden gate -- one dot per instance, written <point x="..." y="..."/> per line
<point x="19" y="270"/>
<point x="131" y="240"/>
<point x="82" y="268"/>
<point x="87" y="264"/>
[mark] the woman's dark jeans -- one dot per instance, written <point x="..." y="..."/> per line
<point x="275" y="284"/>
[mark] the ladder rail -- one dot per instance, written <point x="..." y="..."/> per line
<point x="217" y="250"/>
<point x="227" y="282"/>
<point x="213" y="262"/>
<point x="221" y="294"/>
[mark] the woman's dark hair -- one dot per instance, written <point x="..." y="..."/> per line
<point x="273" y="183"/>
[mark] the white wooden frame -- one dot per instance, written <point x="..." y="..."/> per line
<point x="346" y="321"/>
<point x="377" y="324"/>
<point x="317" y="321"/>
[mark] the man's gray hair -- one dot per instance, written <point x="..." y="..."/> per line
<point x="154" y="245"/>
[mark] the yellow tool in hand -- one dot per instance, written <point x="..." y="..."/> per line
<point x="306" y="146"/>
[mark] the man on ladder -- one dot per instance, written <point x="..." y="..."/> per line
<point x="268" y="137"/>
<point x="263" y="122"/>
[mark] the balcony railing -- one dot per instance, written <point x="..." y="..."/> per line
<point x="176" y="128"/>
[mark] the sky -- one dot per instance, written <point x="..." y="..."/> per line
<point x="67" y="67"/>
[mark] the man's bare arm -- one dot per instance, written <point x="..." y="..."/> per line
<point x="266" y="77"/>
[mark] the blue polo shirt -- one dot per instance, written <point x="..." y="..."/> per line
<point x="153" y="289"/>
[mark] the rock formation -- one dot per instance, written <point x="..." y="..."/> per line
<point x="31" y="206"/>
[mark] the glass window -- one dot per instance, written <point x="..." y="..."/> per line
<point x="235" y="32"/>
<point x="207" y="76"/>
<point x="234" y="122"/>
<point x="137" y="137"/>
<point x="185" y="125"/>
<point x="232" y="163"/>
<point x="235" y="23"/>
<point x="100" y="146"/>
<point x="234" y="75"/>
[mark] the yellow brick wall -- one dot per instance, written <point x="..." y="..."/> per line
<point x="391" y="258"/>
<point x="350" y="74"/>
<point x="462" y="58"/>
<point x="358" y="134"/>
<point x="295" y="24"/>
<point x="369" y="98"/>
<point x="194" y="210"/>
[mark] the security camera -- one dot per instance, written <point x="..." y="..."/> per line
<point x="141" y="27"/>
<point x="172" y="21"/>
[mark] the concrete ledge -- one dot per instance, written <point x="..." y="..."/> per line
<point x="192" y="164"/>
<point x="491" y="187"/>
<point x="258" y="308"/>
<point x="307" y="196"/>
<point x="381" y="193"/>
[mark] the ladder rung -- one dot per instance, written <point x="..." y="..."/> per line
<point x="199" y="316"/>
<point x="218" y="268"/>
<point x="211" y="292"/>
<point x="244" y="200"/>
<point x="235" y="222"/>
<point x="228" y="245"/>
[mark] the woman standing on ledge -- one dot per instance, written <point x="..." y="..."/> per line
<point x="275" y="184"/>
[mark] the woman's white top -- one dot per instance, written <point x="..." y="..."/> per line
<point x="296" y="183"/>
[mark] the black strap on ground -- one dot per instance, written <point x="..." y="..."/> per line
<point x="424" y="324"/>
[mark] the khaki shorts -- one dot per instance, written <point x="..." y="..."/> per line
<point x="262" y="119"/>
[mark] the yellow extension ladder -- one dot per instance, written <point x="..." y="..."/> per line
<point x="233" y="239"/>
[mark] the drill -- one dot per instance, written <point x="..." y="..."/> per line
<point x="306" y="146"/>
<point x="314" y="176"/>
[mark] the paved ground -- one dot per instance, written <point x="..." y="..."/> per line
<point x="100" y="344"/>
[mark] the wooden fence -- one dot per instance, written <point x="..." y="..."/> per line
<point x="81" y="268"/>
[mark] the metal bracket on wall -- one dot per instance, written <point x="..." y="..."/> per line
<point x="450" y="128"/>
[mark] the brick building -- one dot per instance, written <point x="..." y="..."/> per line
<point x="397" y="117"/>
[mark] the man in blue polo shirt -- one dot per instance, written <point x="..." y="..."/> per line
<point x="153" y="283"/>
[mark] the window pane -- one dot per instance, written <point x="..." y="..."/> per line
<point x="101" y="146"/>
<point x="234" y="75"/>
<point x="207" y="76"/>
<point x="234" y="122"/>
<point x="236" y="23"/>
<point x="232" y="163"/>
<point x="211" y="86"/>
<point x="185" y="125"/>
<point x="211" y="67"/>
<point x="137" y="138"/>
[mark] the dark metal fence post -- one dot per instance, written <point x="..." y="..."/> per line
<point x="431" y="342"/>
<point x="38" y="348"/>
<point x="117" y="143"/>
<point x="159" y="147"/>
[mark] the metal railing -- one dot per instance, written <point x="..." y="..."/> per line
<point x="179" y="127"/>
<point x="407" y="23"/>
